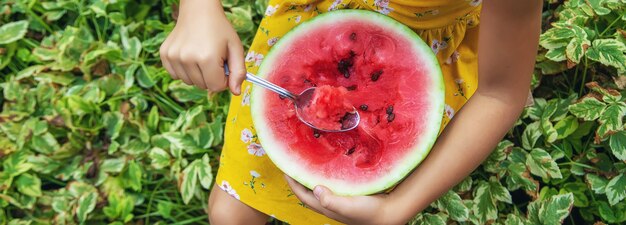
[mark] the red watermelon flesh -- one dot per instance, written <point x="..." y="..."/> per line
<point x="395" y="85"/>
<point x="327" y="108"/>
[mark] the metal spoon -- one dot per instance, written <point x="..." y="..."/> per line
<point x="349" y="121"/>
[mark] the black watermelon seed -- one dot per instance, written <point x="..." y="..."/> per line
<point x="391" y="117"/>
<point x="350" y="151"/>
<point x="363" y="107"/>
<point x="376" y="75"/>
<point x="316" y="133"/>
<point x="390" y="109"/>
<point x="353" y="36"/>
<point x="281" y="96"/>
<point x="352" y="54"/>
<point x="351" y="88"/>
<point x="344" y="66"/>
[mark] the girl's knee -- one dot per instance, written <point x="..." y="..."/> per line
<point x="224" y="209"/>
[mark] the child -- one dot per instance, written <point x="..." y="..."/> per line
<point x="506" y="41"/>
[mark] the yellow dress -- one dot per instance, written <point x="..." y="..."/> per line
<point x="247" y="174"/>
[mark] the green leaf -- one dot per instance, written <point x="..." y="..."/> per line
<point x="86" y="204"/>
<point x="556" y="209"/>
<point x="609" y="52"/>
<point x="566" y="127"/>
<point x="513" y="219"/>
<point x="427" y="218"/>
<point x="485" y="197"/>
<point x="120" y="206"/>
<point x="541" y="164"/>
<point x="598" y="7"/>
<point x="518" y="176"/>
<point x="530" y="135"/>
<point x="45" y="143"/>
<point x="452" y="204"/>
<point x="189" y="181"/>
<point x="185" y="93"/>
<point x="182" y="142"/>
<point x="29" y="185"/>
<point x="492" y="164"/>
<point x="13" y="31"/>
<point x="113" y="122"/>
<point x="241" y="19"/>
<point x="617" y="142"/>
<point x="612" y="214"/>
<point x="160" y="158"/>
<point x="204" y="172"/>
<point x="165" y="209"/>
<point x="578" y="189"/>
<point x="113" y="165"/>
<point x="588" y="108"/>
<point x="611" y="120"/>
<point x="133" y="176"/>
<point x="153" y="119"/>
<point x="16" y="163"/>
<point x="576" y="48"/>
<point x="596" y="183"/>
<point x="548" y="130"/>
<point x="616" y="189"/>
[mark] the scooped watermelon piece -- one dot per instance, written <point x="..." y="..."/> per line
<point x="328" y="107"/>
<point x="391" y="76"/>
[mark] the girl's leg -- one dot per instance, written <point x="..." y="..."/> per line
<point x="224" y="209"/>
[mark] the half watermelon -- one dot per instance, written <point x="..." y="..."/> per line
<point x="392" y="78"/>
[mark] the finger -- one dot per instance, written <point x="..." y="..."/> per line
<point x="180" y="72"/>
<point x="213" y="73"/>
<point x="237" y="67"/>
<point x="193" y="72"/>
<point x="163" y="51"/>
<point x="337" y="204"/>
<point x="307" y="197"/>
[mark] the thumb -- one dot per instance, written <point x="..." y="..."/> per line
<point x="330" y="201"/>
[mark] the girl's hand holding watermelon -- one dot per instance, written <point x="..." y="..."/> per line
<point x="201" y="42"/>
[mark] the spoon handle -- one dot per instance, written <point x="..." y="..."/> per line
<point x="264" y="83"/>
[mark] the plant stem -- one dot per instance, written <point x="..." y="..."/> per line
<point x="610" y="26"/>
<point x="582" y="85"/>
<point x="151" y="198"/>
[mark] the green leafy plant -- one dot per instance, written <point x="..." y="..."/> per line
<point x="93" y="130"/>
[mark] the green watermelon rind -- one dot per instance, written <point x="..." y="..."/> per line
<point x="291" y="167"/>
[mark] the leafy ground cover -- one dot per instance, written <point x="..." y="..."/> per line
<point x="94" y="131"/>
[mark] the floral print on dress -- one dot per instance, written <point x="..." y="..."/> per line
<point x="272" y="41"/>
<point x="253" y="181"/>
<point x="449" y="111"/>
<point x="271" y="10"/>
<point x="245" y="100"/>
<point x="334" y="5"/>
<point x="431" y="12"/>
<point x="460" y="92"/>
<point x="254" y="57"/>
<point x="256" y="149"/>
<point x="225" y="186"/>
<point x="438" y="45"/>
<point x="382" y="6"/>
<point x="453" y="58"/>
<point x="246" y="135"/>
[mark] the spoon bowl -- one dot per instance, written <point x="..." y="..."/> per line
<point x="348" y="122"/>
